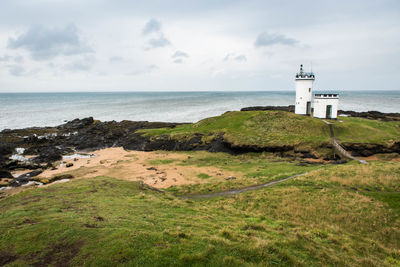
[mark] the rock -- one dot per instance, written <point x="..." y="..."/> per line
<point x="6" y="149"/>
<point x="152" y="169"/>
<point x="29" y="174"/>
<point x="62" y="176"/>
<point x="49" y="154"/>
<point x="77" y="124"/>
<point x="230" y="178"/>
<point x="5" y="182"/>
<point x="371" y="115"/>
<point x="5" y="174"/>
<point x="366" y="150"/>
<point x="70" y="164"/>
<point x="24" y="178"/>
<point x="289" y="108"/>
<point x="53" y="179"/>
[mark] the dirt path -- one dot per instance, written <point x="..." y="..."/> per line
<point x="339" y="149"/>
<point x="241" y="190"/>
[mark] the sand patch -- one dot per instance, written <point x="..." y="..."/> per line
<point x="158" y="169"/>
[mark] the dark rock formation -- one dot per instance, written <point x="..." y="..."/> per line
<point x="49" y="144"/>
<point x="5" y="174"/>
<point x="289" y="108"/>
<point x="372" y="115"/>
<point x="77" y="124"/>
<point x="366" y="150"/>
<point x="24" y="178"/>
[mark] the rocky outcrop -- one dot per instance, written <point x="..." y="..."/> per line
<point x="5" y="174"/>
<point x="371" y="115"/>
<point x="50" y="144"/>
<point x="289" y="108"/>
<point x="366" y="150"/>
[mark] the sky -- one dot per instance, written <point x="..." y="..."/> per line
<point x="203" y="45"/>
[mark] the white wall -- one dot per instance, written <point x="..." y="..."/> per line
<point x="303" y="94"/>
<point x="320" y="107"/>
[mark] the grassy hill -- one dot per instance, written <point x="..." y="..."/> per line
<point x="346" y="215"/>
<point x="334" y="215"/>
<point x="279" y="128"/>
<point x="359" y="130"/>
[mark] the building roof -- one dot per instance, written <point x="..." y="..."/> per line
<point x="327" y="95"/>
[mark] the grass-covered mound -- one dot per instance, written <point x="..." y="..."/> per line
<point x="280" y="128"/>
<point x="344" y="216"/>
<point x="359" y="130"/>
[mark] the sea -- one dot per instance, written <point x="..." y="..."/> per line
<point x="21" y="110"/>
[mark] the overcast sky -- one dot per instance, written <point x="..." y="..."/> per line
<point x="118" y="45"/>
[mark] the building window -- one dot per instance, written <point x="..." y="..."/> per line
<point x="309" y="90"/>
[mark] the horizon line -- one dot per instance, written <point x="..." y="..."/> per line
<point x="194" y="91"/>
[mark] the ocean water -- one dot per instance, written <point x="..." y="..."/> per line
<point x="20" y="110"/>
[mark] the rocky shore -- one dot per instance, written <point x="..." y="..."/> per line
<point x="35" y="149"/>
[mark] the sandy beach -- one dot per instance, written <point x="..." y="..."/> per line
<point x="137" y="166"/>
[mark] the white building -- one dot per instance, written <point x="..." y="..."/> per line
<point x="325" y="105"/>
<point x="304" y="84"/>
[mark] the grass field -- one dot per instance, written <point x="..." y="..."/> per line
<point x="344" y="215"/>
<point x="279" y="128"/>
<point x="359" y="130"/>
<point x="252" y="169"/>
<point x="334" y="215"/>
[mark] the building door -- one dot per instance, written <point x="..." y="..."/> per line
<point x="308" y="108"/>
<point x="328" y="112"/>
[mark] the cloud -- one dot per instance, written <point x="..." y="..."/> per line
<point x="180" y="54"/>
<point x="84" y="64"/>
<point x="159" y="41"/>
<point x="151" y="26"/>
<point x="19" y="70"/>
<point x="5" y="58"/>
<point x="16" y="70"/>
<point x="18" y="58"/>
<point x="78" y="66"/>
<point x="115" y="59"/>
<point x="8" y="58"/>
<point x="233" y="56"/>
<point x="46" y="43"/>
<point x="268" y="39"/>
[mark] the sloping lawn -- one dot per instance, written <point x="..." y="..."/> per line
<point x="330" y="217"/>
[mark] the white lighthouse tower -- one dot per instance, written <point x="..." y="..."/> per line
<point x="304" y="84"/>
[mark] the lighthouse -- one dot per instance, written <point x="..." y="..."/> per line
<point x="304" y="85"/>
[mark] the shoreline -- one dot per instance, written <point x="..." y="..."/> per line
<point x="34" y="151"/>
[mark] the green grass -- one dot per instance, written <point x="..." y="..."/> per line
<point x="203" y="176"/>
<point x="279" y="128"/>
<point x="256" y="168"/>
<point x="329" y="217"/>
<point x="161" y="161"/>
<point x="261" y="128"/>
<point x="359" y="130"/>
